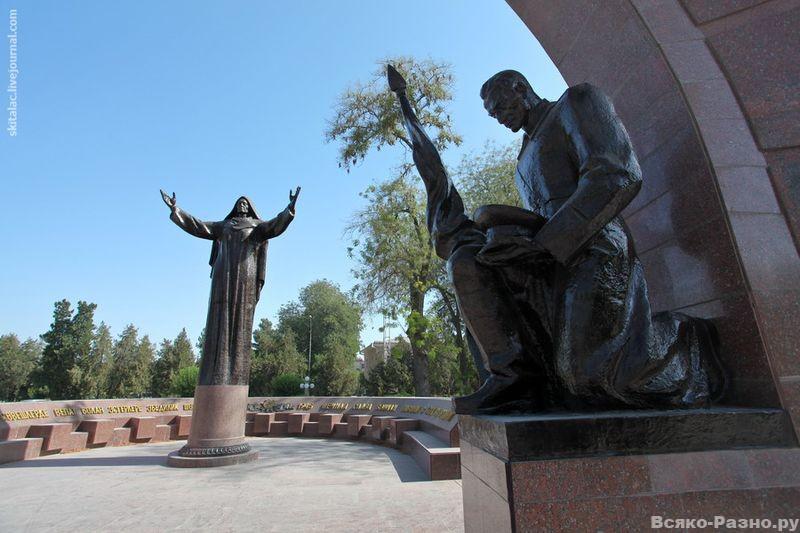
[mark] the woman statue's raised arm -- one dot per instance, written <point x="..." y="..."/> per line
<point x="185" y="221"/>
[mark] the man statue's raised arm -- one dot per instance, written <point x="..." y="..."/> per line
<point x="448" y="223"/>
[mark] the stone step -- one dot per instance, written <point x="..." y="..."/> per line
<point x="437" y="458"/>
<point x="327" y="421"/>
<point x="143" y="428"/>
<point x="380" y="428"/>
<point x="180" y="427"/>
<point x="100" y="431"/>
<point x="56" y="436"/>
<point x="262" y="422"/>
<point x="279" y="428"/>
<point x="120" y="437"/>
<point x="340" y="430"/>
<point x="296" y="422"/>
<point x="357" y="424"/>
<point x="398" y="426"/>
<point x="76" y="442"/>
<point x="161" y="433"/>
<point x="20" y="449"/>
<point x="311" y="429"/>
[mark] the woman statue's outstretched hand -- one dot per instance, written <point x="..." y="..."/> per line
<point x="171" y="203"/>
<point x="292" y="198"/>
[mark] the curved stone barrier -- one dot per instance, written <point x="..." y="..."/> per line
<point x="426" y="428"/>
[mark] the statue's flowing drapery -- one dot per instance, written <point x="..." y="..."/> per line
<point x="237" y="276"/>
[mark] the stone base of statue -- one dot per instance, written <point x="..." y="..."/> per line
<point x="216" y="437"/>
<point x="631" y="470"/>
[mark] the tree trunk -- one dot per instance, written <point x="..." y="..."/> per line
<point x="463" y="350"/>
<point x="416" y="333"/>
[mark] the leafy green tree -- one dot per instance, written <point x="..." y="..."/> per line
<point x="274" y="353"/>
<point x="183" y="352"/>
<point x="184" y="381"/>
<point x="17" y="360"/>
<point x="163" y="370"/>
<point x="102" y="353"/>
<point x="335" y="322"/>
<point x="487" y="177"/>
<point x="67" y="368"/>
<point x="334" y="372"/>
<point x="85" y="372"/>
<point x="93" y="352"/>
<point x="201" y="340"/>
<point x="286" y="385"/>
<point x="52" y="375"/>
<point x="172" y="356"/>
<point x="397" y="263"/>
<point x="130" y="372"/>
<point x="392" y="377"/>
<point x="442" y="345"/>
<point x="367" y="115"/>
<point x="145" y="354"/>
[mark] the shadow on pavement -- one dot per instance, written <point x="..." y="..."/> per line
<point x="331" y="461"/>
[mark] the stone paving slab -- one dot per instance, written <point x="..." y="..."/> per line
<point x="297" y="485"/>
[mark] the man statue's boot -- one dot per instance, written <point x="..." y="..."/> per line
<point x="504" y="390"/>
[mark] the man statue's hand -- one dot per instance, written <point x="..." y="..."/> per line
<point x="171" y="203"/>
<point x="510" y="249"/>
<point x="293" y="198"/>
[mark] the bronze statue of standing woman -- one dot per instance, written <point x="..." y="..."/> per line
<point x="238" y="268"/>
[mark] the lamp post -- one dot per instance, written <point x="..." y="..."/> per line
<point x="306" y="385"/>
<point x="309" y="345"/>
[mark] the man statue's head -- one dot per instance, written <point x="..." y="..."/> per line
<point x="508" y="97"/>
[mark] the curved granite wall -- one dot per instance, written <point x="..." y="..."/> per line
<point x="693" y="81"/>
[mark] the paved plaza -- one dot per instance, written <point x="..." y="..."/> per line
<point x="296" y="485"/>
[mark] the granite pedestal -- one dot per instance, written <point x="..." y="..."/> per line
<point x="622" y="470"/>
<point x="216" y="437"/>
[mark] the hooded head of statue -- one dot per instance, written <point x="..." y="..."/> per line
<point x="242" y="208"/>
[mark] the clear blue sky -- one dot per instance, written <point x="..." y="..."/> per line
<point x="211" y="100"/>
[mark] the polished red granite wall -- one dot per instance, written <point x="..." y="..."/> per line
<point x="756" y="44"/>
<point x="709" y="224"/>
<point x="624" y="493"/>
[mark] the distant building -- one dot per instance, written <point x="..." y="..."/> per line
<point x="376" y="353"/>
<point x="360" y="363"/>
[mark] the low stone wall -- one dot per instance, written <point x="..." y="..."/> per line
<point x="436" y="415"/>
<point x="426" y="428"/>
<point x="436" y="411"/>
<point x="16" y="417"/>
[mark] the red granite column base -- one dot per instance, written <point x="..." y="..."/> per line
<point x="216" y="437"/>
<point x="179" y="461"/>
<point x="630" y="492"/>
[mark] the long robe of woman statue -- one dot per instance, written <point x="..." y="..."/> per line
<point x="238" y="268"/>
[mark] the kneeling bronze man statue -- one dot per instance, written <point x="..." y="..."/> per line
<point x="553" y="295"/>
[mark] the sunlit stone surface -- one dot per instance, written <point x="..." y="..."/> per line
<point x="295" y="485"/>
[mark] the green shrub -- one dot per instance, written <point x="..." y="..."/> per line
<point x="184" y="382"/>
<point x="286" y="385"/>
